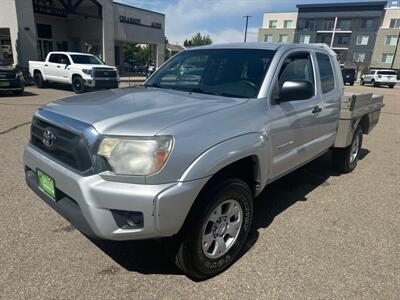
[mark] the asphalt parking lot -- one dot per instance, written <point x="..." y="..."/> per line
<point x="317" y="234"/>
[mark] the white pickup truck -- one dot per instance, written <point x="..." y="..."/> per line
<point x="80" y="70"/>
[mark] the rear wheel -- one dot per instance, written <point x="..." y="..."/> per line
<point x="362" y="81"/>
<point x="216" y="230"/>
<point x="345" y="159"/>
<point x="39" y="81"/>
<point x="78" y="85"/>
<point x="352" y="83"/>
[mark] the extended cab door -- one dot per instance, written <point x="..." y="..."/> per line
<point x="62" y="68"/>
<point x="331" y="90"/>
<point x="293" y="120"/>
<point x="50" y="67"/>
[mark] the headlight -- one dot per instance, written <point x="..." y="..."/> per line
<point x="87" y="71"/>
<point x="136" y="155"/>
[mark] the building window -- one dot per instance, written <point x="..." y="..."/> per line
<point x="309" y="25"/>
<point x="44" y="31"/>
<point x="394" y="23"/>
<point x="283" y="38"/>
<point x="358" y="57"/>
<point x="344" y="25"/>
<point x="268" y="38"/>
<point x="272" y="24"/>
<point x="391" y="40"/>
<point x="327" y="24"/>
<point x="367" y="23"/>
<point x="387" y="58"/>
<point x="305" y="39"/>
<point x="325" y="39"/>
<point x="362" y="40"/>
<point x="342" y="40"/>
<point x="287" y="24"/>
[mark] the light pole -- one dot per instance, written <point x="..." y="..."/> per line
<point x="247" y="24"/>
<point x="395" y="51"/>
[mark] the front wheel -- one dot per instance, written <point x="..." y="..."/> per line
<point x="373" y="83"/>
<point x="216" y="230"/>
<point x="19" y="92"/>
<point x="391" y="86"/>
<point x="362" y="81"/>
<point x="345" y="159"/>
<point x="78" y="85"/>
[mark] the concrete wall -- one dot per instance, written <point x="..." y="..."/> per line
<point x="275" y="34"/>
<point x="280" y="18"/>
<point x="22" y="29"/>
<point x="380" y="47"/>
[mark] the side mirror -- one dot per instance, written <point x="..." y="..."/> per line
<point x="296" y="90"/>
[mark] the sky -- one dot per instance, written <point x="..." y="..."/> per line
<point x="221" y="19"/>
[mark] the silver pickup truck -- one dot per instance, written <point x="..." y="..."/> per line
<point x="185" y="155"/>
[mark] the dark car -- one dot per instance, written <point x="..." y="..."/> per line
<point x="349" y="76"/>
<point x="11" y="79"/>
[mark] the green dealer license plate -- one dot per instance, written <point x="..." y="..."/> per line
<point x="46" y="184"/>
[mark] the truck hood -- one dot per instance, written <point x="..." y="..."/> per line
<point x="138" y="111"/>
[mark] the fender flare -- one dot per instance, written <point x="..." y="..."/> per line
<point x="227" y="152"/>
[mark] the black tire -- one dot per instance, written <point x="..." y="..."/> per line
<point x="344" y="160"/>
<point x="19" y="92"/>
<point x="39" y="81"/>
<point x="352" y="83"/>
<point x="78" y="85"/>
<point x="187" y="247"/>
<point x="362" y="81"/>
<point x="391" y="86"/>
<point x="373" y="83"/>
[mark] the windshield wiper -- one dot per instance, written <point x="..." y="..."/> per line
<point x="203" y="91"/>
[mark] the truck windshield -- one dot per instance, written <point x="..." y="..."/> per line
<point x="86" y="59"/>
<point x="225" y="72"/>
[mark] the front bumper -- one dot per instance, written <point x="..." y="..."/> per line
<point x="99" y="83"/>
<point x="88" y="202"/>
<point x="12" y="85"/>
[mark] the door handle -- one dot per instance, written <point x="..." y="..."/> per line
<point x="58" y="67"/>
<point x="316" y="110"/>
<point x="46" y="65"/>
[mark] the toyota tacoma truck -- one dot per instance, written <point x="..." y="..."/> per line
<point x="82" y="71"/>
<point x="184" y="156"/>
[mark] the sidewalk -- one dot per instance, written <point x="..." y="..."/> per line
<point x="125" y="78"/>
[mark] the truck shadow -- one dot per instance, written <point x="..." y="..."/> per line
<point x="149" y="256"/>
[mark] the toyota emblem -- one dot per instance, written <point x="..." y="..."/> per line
<point x="48" y="138"/>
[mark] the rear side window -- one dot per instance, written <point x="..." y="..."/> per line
<point x="54" y="58"/>
<point x="387" y="73"/>
<point x="326" y="73"/>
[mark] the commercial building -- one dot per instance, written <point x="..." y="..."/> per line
<point x="278" y="27"/>
<point x="386" y="53"/>
<point x="348" y="28"/>
<point x="363" y="34"/>
<point x="35" y="27"/>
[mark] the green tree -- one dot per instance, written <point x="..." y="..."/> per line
<point x="134" y="52"/>
<point x="198" y="40"/>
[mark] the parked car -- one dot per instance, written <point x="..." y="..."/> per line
<point x="80" y="70"/>
<point x="349" y="76"/>
<point x="11" y="79"/>
<point x="184" y="160"/>
<point x="380" y="77"/>
<point x="5" y="51"/>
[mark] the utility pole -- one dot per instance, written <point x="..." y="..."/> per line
<point x="395" y="51"/>
<point x="247" y="24"/>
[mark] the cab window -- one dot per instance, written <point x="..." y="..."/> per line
<point x="325" y="73"/>
<point x="296" y="67"/>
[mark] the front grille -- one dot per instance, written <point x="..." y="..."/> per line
<point x="68" y="148"/>
<point x="7" y="75"/>
<point x="104" y="73"/>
